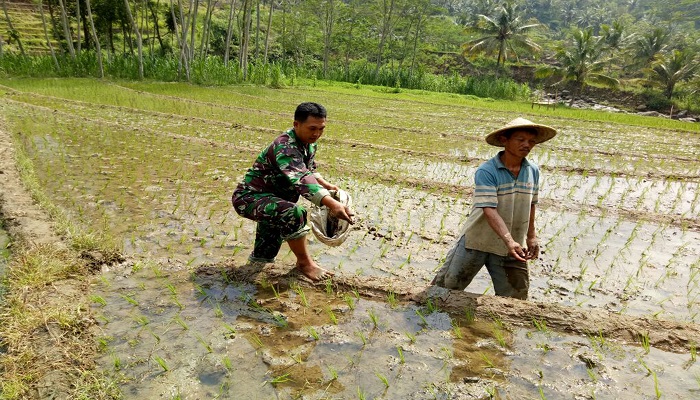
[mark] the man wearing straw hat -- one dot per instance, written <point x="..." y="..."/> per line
<point x="284" y="171"/>
<point x="500" y="230"/>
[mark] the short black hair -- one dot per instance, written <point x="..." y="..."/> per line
<point x="304" y="110"/>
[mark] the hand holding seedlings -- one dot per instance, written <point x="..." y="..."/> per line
<point x="503" y="216"/>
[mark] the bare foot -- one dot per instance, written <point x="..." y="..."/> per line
<point x="314" y="272"/>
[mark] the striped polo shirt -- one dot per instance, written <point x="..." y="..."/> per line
<point x="512" y="197"/>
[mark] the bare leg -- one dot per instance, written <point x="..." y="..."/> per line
<point x="305" y="264"/>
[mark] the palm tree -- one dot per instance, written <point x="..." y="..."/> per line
<point x="650" y="45"/>
<point x="581" y="63"/>
<point x="505" y="31"/>
<point x="678" y="66"/>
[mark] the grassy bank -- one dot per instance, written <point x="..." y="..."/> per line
<point x="46" y="348"/>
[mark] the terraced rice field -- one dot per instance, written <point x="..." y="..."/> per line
<point x="154" y="165"/>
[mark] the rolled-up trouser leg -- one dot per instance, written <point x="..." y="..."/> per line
<point x="278" y="220"/>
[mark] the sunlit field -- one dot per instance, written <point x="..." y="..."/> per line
<point x="154" y="165"/>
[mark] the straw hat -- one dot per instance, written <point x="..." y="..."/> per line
<point x="544" y="132"/>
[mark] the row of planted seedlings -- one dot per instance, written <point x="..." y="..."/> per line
<point x="184" y="240"/>
<point x="200" y="332"/>
<point x="394" y="218"/>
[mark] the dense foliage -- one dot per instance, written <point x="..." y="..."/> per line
<point x="444" y="45"/>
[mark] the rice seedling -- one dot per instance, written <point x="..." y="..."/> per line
<point x="373" y="318"/>
<point x="411" y="337"/>
<point x="500" y="337"/>
<point x="98" y="299"/>
<point x="402" y="360"/>
<point x="256" y="341"/>
<point x="302" y="296"/>
<point x="644" y="340"/>
<point x="312" y="331"/>
<point x="332" y="316"/>
<point x="489" y="363"/>
<point x="181" y="322"/>
<point x="392" y="299"/>
<point x="382" y="378"/>
<point x="424" y="322"/>
<point x="456" y="330"/>
<point x="278" y="380"/>
<point x="362" y="337"/>
<point x="333" y="372"/>
<point x="163" y="364"/>
<point x="350" y="301"/>
<point x="204" y="343"/>
<point x="540" y="325"/>
<point x="130" y="299"/>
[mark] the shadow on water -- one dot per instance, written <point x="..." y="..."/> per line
<point x="169" y="331"/>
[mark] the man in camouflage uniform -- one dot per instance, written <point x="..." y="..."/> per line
<point x="268" y="194"/>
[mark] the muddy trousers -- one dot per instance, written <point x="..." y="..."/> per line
<point x="510" y="277"/>
<point x="278" y="220"/>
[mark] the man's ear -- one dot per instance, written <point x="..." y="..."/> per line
<point x="296" y="124"/>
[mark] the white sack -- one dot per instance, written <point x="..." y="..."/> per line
<point x="327" y="229"/>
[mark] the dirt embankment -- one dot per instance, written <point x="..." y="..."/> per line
<point x="667" y="335"/>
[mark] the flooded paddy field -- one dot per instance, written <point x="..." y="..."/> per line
<point x="155" y="165"/>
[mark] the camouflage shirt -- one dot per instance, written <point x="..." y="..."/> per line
<point x="286" y="169"/>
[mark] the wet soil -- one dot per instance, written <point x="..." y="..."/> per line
<point x="175" y="320"/>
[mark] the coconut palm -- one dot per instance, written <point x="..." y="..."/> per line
<point x="581" y="63"/>
<point x="649" y="46"/>
<point x="504" y="31"/>
<point x="678" y="66"/>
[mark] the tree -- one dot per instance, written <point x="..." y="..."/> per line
<point x="581" y="63"/>
<point x="14" y="34"/>
<point x="139" y="41"/>
<point x="650" y="45"/>
<point x="98" y="50"/>
<point x="505" y="31"/>
<point x="677" y="67"/>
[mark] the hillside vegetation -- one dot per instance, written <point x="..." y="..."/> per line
<point x="462" y="46"/>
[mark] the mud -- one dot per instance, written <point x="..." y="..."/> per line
<point x="175" y="320"/>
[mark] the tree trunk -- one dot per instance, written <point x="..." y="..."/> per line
<point x="247" y="19"/>
<point x="12" y="29"/>
<point x="387" y="21"/>
<point x="183" y="61"/>
<point x="328" y="19"/>
<point x="229" y="32"/>
<point x="267" y="32"/>
<point x="46" y="35"/>
<point x="193" y="18"/>
<point x="66" y="29"/>
<point x="204" y="50"/>
<point x="98" y="50"/>
<point x="139" y="42"/>
<point x="77" y="31"/>
<point x="257" y="30"/>
<point x="154" y="15"/>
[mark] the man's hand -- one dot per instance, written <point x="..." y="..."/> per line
<point x="338" y="210"/>
<point x="516" y="251"/>
<point x="533" y="248"/>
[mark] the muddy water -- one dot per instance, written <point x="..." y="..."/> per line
<point x="173" y="332"/>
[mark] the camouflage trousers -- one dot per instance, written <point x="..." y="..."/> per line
<point x="278" y="220"/>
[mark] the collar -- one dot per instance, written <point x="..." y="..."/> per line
<point x="499" y="163"/>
